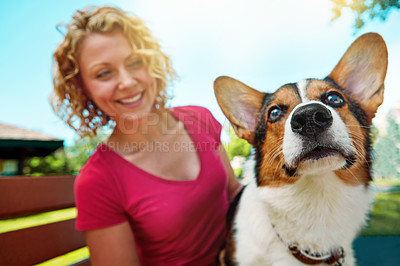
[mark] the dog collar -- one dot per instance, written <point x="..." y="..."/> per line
<point x="333" y="257"/>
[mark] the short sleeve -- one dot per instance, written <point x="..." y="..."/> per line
<point x="203" y="118"/>
<point x="214" y="127"/>
<point x="97" y="199"/>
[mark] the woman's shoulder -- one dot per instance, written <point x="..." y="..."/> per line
<point x="191" y="109"/>
<point x="198" y="117"/>
<point x="96" y="167"/>
<point x="97" y="195"/>
<point x="195" y="111"/>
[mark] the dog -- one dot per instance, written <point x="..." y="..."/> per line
<point x="310" y="196"/>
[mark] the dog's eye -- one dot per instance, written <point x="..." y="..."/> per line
<point x="334" y="99"/>
<point x="275" y="113"/>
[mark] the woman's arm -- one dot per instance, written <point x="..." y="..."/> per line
<point x="113" y="245"/>
<point x="234" y="185"/>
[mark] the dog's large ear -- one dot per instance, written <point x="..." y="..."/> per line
<point x="240" y="104"/>
<point x="362" y="70"/>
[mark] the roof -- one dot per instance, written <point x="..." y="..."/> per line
<point x="13" y="132"/>
<point x="17" y="141"/>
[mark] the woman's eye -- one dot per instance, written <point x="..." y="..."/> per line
<point x="136" y="63"/>
<point x="335" y="100"/>
<point x="275" y="113"/>
<point x="103" y="74"/>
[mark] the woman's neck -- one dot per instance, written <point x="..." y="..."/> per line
<point x="155" y="127"/>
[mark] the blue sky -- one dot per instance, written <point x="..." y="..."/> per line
<point x="265" y="44"/>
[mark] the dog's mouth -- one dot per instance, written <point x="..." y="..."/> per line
<point x="318" y="152"/>
<point x="324" y="155"/>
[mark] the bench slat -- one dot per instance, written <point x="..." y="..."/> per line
<point x="38" y="244"/>
<point x="22" y="195"/>
<point x="82" y="263"/>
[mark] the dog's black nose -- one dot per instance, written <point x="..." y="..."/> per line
<point x="311" y="119"/>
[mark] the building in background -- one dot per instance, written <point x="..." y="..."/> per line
<point x="17" y="144"/>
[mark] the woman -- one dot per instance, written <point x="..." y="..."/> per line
<point x="157" y="190"/>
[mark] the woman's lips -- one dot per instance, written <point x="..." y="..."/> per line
<point x="132" y="101"/>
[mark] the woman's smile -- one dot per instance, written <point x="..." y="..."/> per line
<point x="132" y="101"/>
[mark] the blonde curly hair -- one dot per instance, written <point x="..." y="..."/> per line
<point x="68" y="98"/>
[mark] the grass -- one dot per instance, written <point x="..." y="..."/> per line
<point x="386" y="182"/>
<point x="385" y="216"/>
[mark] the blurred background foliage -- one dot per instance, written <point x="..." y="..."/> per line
<point x="387" y="149"/>
<point x="236" y="146"/>
<point x="64" y="161"/>
<point x="364" y="10"/>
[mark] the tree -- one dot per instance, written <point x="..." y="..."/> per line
<point x="64" y="161"/>
<point x="236" y="145"/>
<point x="79" y="153"/>
<point x="365" y="9"/>
<point x="53" y="164"/>
<point x="387" y="150"/>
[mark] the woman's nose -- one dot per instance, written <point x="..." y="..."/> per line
<point x="126" y="80"/>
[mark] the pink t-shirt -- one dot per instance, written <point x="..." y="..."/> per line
<point x="174" y="222"/>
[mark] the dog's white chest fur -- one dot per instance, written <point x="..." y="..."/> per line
<point x="318" y="212"/>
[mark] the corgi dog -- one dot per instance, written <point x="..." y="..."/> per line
<point x="310" y="195"/>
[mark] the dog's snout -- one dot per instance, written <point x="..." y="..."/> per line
<point x="311" y="119"/>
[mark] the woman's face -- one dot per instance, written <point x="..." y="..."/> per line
<point x="115" y="78"/>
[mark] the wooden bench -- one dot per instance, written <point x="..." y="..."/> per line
<point x="21" y="196"/>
